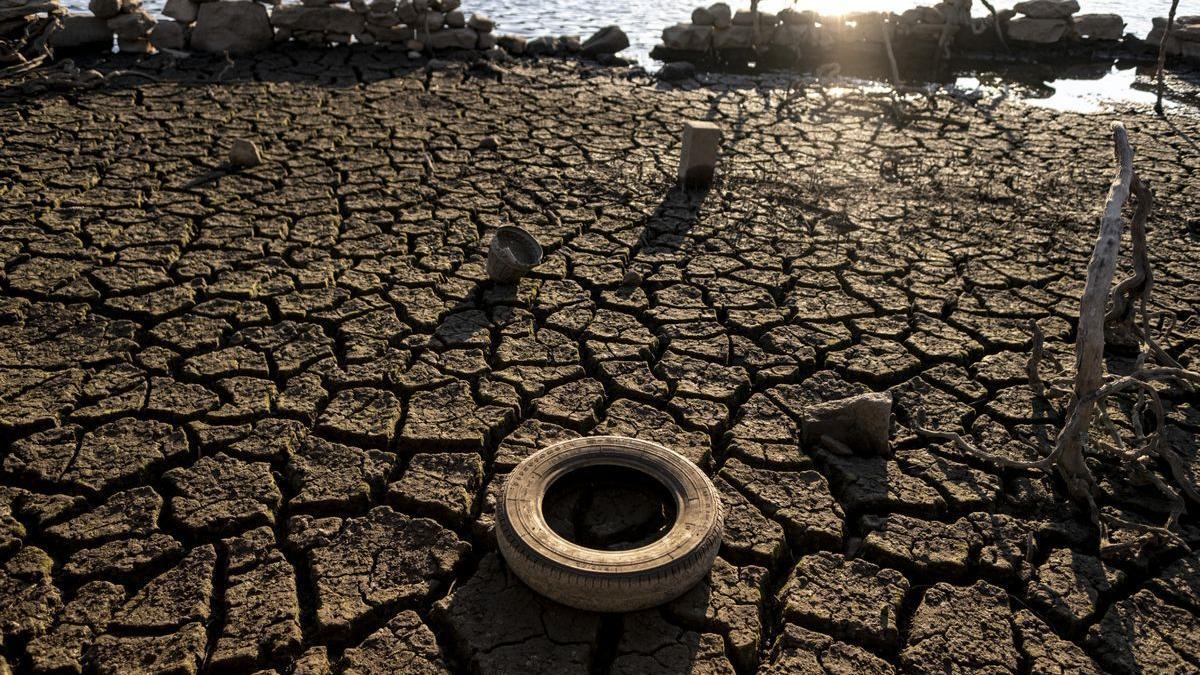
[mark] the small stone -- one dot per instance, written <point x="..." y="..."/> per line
<point x="861" y="423"/>
<point x="244" y="154"/>
<point x="607" y="40"/>
<point x="675" y="71"/>
<point x="481" y="23"/>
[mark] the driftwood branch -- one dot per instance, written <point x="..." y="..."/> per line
<point x="1091" y="387"/>
<point x="996" y="23"/>
<point x="1089" y="345"/>
<point x="1162" y="57"/>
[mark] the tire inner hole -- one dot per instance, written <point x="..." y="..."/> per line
<point x="609" y="508"/>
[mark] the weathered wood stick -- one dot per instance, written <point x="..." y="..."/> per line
<point x="1089" y="344"/>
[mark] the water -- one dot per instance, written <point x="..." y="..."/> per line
<point x="643" y="21"/>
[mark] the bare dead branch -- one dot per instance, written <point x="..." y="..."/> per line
<point x="1162" y="57"/>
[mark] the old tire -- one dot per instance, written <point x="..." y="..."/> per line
<point x="609" y="581"/>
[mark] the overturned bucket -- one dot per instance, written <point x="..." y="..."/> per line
<point x="512" y="253"/>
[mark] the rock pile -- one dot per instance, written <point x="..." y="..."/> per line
<point x="128" y="21"/>
<point x="716" y="32"/>
<point x="244" y="26"/>
<point x="1054" y="21"/>
<point x="1184" y="39"/>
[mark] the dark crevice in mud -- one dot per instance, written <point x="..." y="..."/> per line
<point x="604" y="652"/>
<point x="217" y="617"/>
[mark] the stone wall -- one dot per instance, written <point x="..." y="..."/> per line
<point x="243" y="26"/>
<point x="1031" y="29"/>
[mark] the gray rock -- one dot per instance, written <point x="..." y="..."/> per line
<point x="722" y="15"/>
<point x="244" y="154"/>
<point x="676" y="70"/>
<point x="107" y="9"/>
<point x="234" y="26"/>
<point x="480" y="23"/>
<point x="169" y="34"/>
<point x="1037" y="30"/>
<point x="541" y="45"/>
<point x="337" y="20"/>
<point x="135" y="46"/>
<point x="1047" y="9"/>
<point x="860" y="422"/>
<point x="736" y="37"/>
<point x="687" y="37"/>
<point x="453" y="38"/>
<point x="513" y="44"/>
<point x="82" y="32"/>
<point x="135" y="25"/>
<point x="185" y="11"/>
<point x="607" y="40"/>
<point x="1100" y="26"/>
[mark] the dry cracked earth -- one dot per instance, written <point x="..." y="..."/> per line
<point x="257" y="420"/>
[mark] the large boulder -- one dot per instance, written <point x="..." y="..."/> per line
<point x="234" y="26"/>
<point x="82" y="32"/>
<point x="1047" y="9"/>
<point x="1040" y="31"/>
<point x="334" y="20"/>
<point x="1100" y="26"/>
<point x="607" y="40"/>
<point x="687" y="37"/>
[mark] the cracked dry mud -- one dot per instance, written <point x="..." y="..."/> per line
<point x="258" y="420"/>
